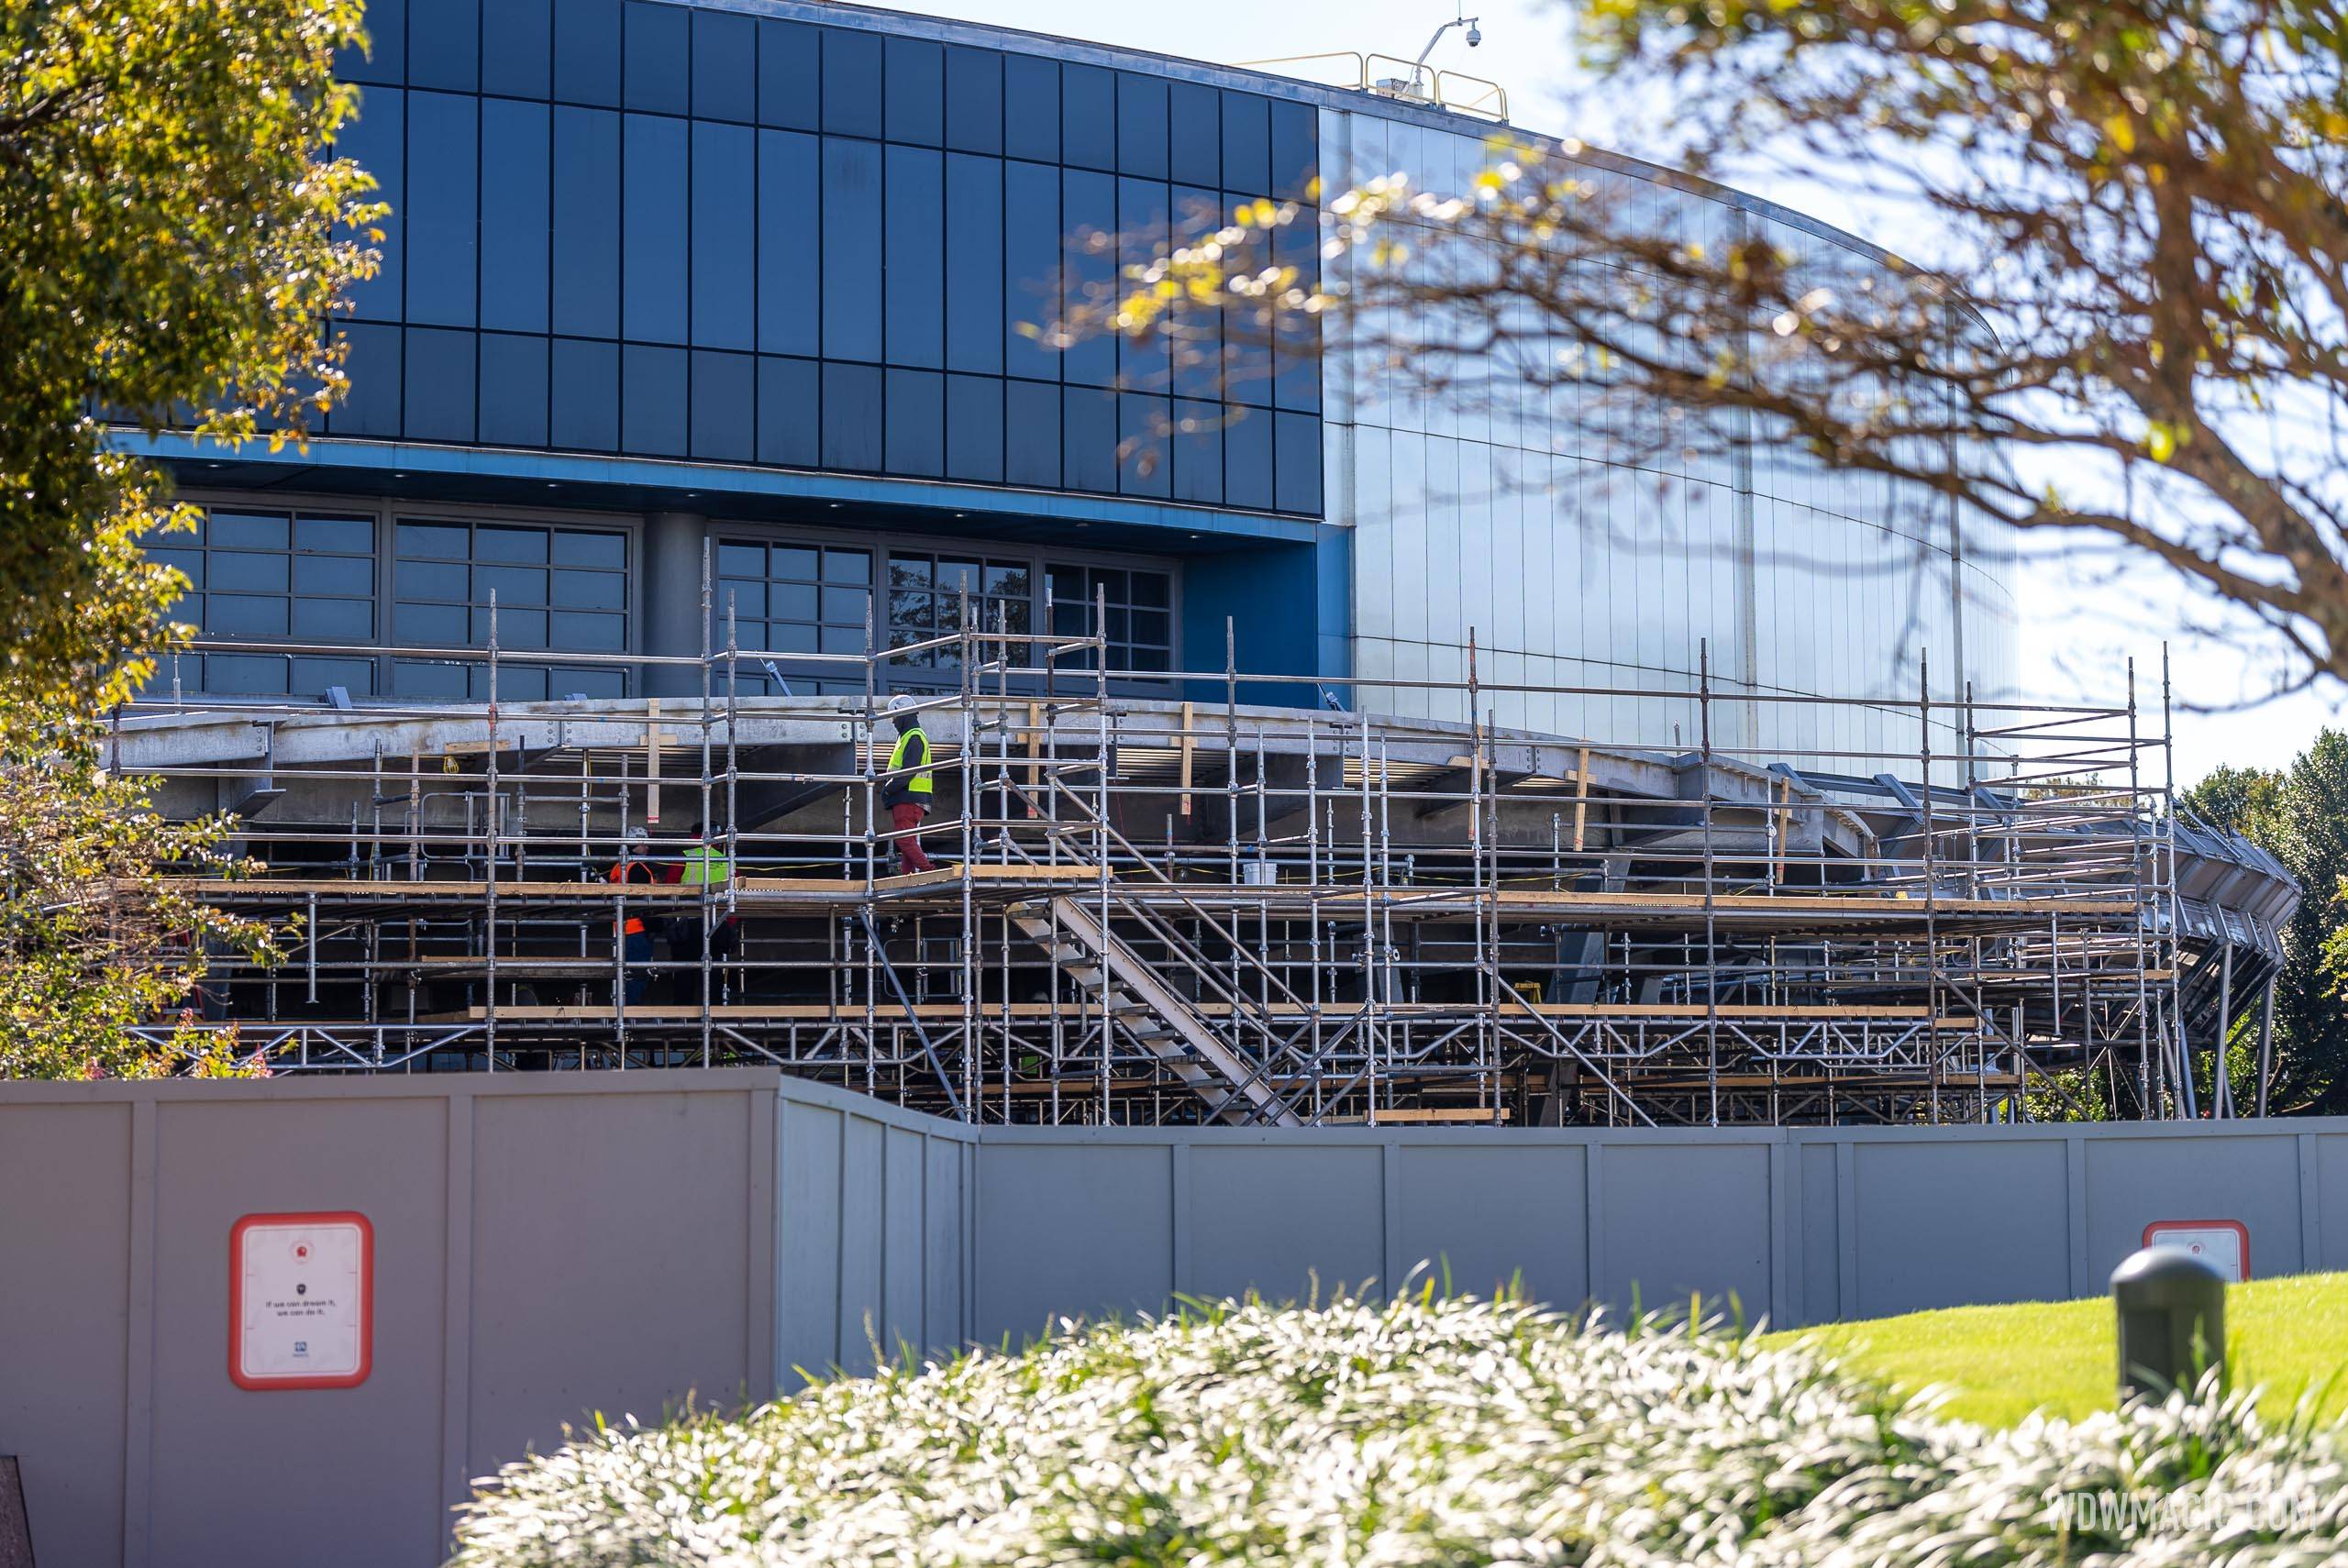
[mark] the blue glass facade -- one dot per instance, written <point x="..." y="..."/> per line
<point x="643" y="228"/>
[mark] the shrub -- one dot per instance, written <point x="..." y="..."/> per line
<point x="1421" y="1432"/>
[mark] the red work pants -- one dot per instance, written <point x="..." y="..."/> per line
<point x="903" y="816"/>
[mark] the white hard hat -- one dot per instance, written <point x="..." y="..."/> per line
<point x="903" y="700"/>
<point x="635" y="836"/>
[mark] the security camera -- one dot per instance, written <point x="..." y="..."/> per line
<point x="1474" y="35"/>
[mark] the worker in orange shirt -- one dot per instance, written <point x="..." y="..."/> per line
<point x="634" y="939"/>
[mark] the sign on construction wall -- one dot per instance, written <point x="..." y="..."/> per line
<point x="2223" y="1244"/>
<point x="301" y="1300"/>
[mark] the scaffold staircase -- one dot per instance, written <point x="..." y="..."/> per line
<point x="1119" y="982"/>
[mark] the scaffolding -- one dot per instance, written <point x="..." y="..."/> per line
<point x="1158" y="902"/>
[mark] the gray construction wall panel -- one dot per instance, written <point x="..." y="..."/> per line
<point x="2324" y="1181"/>
<point x="1285" y="1221"/>
<point x="906" y="1244"/>
<point x="598" y="1303"/>
<point x="864" y="1217"/>
<point x="210" y="1442"/>
<point x="65" y="1284"/>
<point x="1952" y="1223"/>
<point x="1486" y="1217"/>
<point x="1072" y="1229"/>
<point x="1683" y="1221"/>
<point x="807" y="1248"/>
<point x="2134" y="1180"/>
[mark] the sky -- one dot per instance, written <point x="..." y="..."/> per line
<point x="2081" y="624"/>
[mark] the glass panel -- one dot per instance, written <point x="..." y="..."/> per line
<point x="525" y="546"/>
<point x="847" y="566"/>
<point x="248" y="573"/>
<point x="342" y="536"/>
<point x="335" y="620"/>
<point x="430" y="579"/>
<point x="511" y="585"/>
<point x="846" y="606"/>
<point x="334" y="574"/>
<point x="793" y="561"/>
<point x="591" y="590"/>
<point x="589" y="633"/>
<point x="246" y="531"/>
<point x="574" y="546"/>
<point x="741" y="560"/>
<point x="244" y="615"/>
<point x="441" y="541"/>
<point x="430" y="626"/>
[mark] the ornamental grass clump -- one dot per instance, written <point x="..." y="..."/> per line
<point x="1418" y="1431"/>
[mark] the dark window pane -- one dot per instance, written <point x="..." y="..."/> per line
<point x="789" y="73"/>
<point x="516" y="48"/>
<point x="723" y="237"/>
<point x="851" y="241"/>
<point x="188" y="563"/>
<point x="1296" y="377"/>
<point x="726" y="65"/>
<point x="789" y="215"/>
<point x="514" y="683"/>
<point x="515" y="183"/>
<point x="586" y="222"/>
<point x="444" y="44"/>
<point x="345" y="535"/>
<point x="742" y="560"/>
<point x="973" y="99"/>
<point x="1295" y="150"/>
<point x="1151" y="587"/>
<point x="585" y="548"/>
<point x="438" y="541"/>
<point x="244" y="615"/>
<point x="246" y="531"/>
<point x="385" y="58"/>
<point x="1088" y="115"/>
<point x="344" y="575"/>
<point x="1144" y="231"/>
<point x="246" y="675"/>
<point x="372" y="407"/>
<point x="521" y="547"/>
<point x="793" y="561"/>
<point x="341" y="621"/>
<point x="657" y="55"/>
<point x="591" y="682"/>
<point x="974" y="294"/>
<point x="439" y="385"/>
<point x="787" y="412"/>
<point x="430" y="579"/>
<point x="652" y="268"/>
<point x="916" y="257"/>
<point x="723" y="390"/>
<point x="794" y="602"/>
<point x="313" y="676"/>
<point x="652" y="402"/>
<point x="851" y="416"/>
<point x="1247" y="460"/>
<point x="1089" y="428"/>
<point x="915" y="91"/>
<point x="512" y="390"/>
<point x="434" y="683"/>
<point x="1248" y="144"/>
<point x="1089" y="211"/>
<point x="587" y="51"/>
<point x="1198" y="451"/>
<point x="974" y="428"/>
<point x="1031" y="424"/>
<point x="245" y="571"/>
<point x="917" y="422"/>
<point x="748" y="601"/>
<point x="513" y="587"/>
<point x="513" y="628"/>
<point x="1141" y="126"/>
<point x="1031" y="108"/>
<point x="846" y="606"/>
<point x="1297" y="462"/>
<point x="377" y="138"/>
<point x="1034" y="255"/>
<point x="1195" y="131"/>
<point x="443" y="161"/>
<point x="1142" y="458"/>
<point x="583" y="396"/>
<point x="589" y="633"/>
<point x="851" y="81"/>
<point x="847" y="566"/>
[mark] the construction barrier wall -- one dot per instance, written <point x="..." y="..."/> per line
<point x="553" y="1245"/>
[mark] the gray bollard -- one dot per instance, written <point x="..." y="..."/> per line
<point x="2172" y="1310"/>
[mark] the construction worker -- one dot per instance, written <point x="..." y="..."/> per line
<point x="710" y="931"/>
<point x="907" y="790"/>
<point x="635" y="938"/>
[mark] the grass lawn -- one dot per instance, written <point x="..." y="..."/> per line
<point x="1998" y="1363"/>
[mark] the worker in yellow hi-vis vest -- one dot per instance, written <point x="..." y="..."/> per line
<point x="712" y="931"/>
<point x="908" y="789"/>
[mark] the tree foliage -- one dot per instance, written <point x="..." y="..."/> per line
<point x="2134" y="330"/>
<point x="173" y="243"/>
<point x="2299" y="815"/>
<point x="175" y="235"/>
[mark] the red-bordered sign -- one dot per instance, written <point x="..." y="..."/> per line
<point x="301" y="1300"/>
<point x="2223" y="1244"/>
